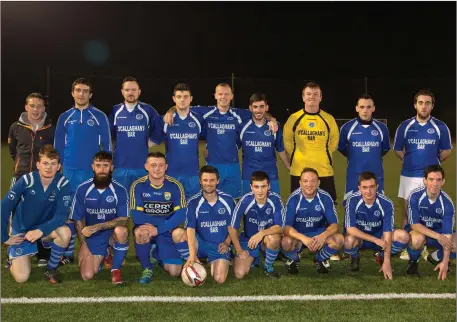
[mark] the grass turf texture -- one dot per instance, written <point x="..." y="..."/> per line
<point x="308" y="281"/>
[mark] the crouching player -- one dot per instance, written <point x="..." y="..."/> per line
<point x="262" y="212"/>
<point x="208" y="215"/>
<point x="100" y="209"/>
<point x="311" y="221"/>
<point x="431" y="221"/>
<point x="158" y="205"/>
<point x="369" y="223"/>
<point x="42" y="198"/>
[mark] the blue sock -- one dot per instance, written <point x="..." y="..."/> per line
<point x="183" y="249"/>
<point x="143" y="254"/>
<point x="56" y="255"/>
<point x="69" y="252"/>
<point x="46" y="244"/>
<point x="414" y="255"/>
<point x="397" y="247"/>
<point x="353" y="252"/>
<point x="270" y="257"/>
<point x="292" y="255"/>
<point x="325" y="253"/>
<point x="120" y="251"/>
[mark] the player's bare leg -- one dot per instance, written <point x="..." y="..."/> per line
<point x="219" y="270"/>
<point x="20" y="268"/>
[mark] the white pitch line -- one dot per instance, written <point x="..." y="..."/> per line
<point x="261" y="298"/>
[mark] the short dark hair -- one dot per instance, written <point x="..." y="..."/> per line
<point x="82" y="81"/>
<point x="49" y="152"/>
<point x="224" y="85"/>
<point x="35" y="95"/>
<point x="305" y="170"/>
<point x="425" y="92"/>
<point x="367" y="175"/>
<point x="130" y="79"/>
<point x="433" y="168"/>
<point x="365" y="97"/>
<point x="182" y="88"/>
<point x="156" y="154"/>
<point x="257" y="97"/>
<point x="208" y="169"/>
<point x="259" y="176"/>
<point x="311" y="85"/>
<point x="103" y="156"/>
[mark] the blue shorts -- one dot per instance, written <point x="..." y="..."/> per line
<point x="370" y="245"/>
<point x="430" y="242"/>
<point x="76" y="177"/>
<point x="230" y="179"/>
<point x="252" y="252"/>
<point x="98" y="246"/>
<point x="25" y="248"/>
<point x="127" y="176"/>
<point x="210" y="250"/>
<point x="274" y="186"/>
<point x="164" y="249"/>
<point x="191" y="184"/>
<point x="311" y="234"/>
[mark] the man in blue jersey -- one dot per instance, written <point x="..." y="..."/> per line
<point x="363" y="141"/>
<point x="81" y="132"/>
<point x="182" y="140"/>
<point x="260" y="145"/>
<point x="369" y="224"/>
<point x="158" y="206"/>
<point x="311" y="221"/>
<point x="41" y="200"/>
<point x="100" y="209"/>
<point x="419" y="142"/>
<point x="133" y="124"/>
<point x="431" y="216"/>
<point x="208" y="215"/>
<point x="262" y="214"/>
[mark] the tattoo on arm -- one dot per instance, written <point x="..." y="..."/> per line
<point x="120" y="221"/>
<point x="79" y="227"/>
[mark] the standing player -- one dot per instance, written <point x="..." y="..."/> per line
<point x="369" y="223"/>
<point x="431" y="216"/>
<point x="158" y="205"/>
<point x="419" y="142"/>
<point x="41" y="200"/>
<point x="132" y="124"/>
<point x="81" y="132"/>
<point x="364" y="141"/>
<point x="260" y="145"/>
<point x="208" y="215"/>
<point x="100" y="209"/>
<point x="26" y="137"/>
<point x="310" y="138"/>
<point x="311" y="221"/>
<point x="262" y="214"/>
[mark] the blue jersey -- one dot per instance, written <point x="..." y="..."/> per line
<point x="131" y="131"/>
<point x="364" y="144"/>
<point x="422" y="144"/>
<point x="438" y="216"/>
<point x="221" y="131"/>
<point x="210" y="221"/>
<point x="97" y="206"/>
<point x="35" y="208"/>
<point x="310" y="215"/>
<point x="374" y="220"/>
<point x="181" y="143"/>
<point x="79" y="135"/>
<point x="256" y="218"/>
<point x="163" y="206"/>
<point x="259" y="149"/>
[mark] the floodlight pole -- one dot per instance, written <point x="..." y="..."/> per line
<point x="48" y="88"/>
<point x="233" y="89"/>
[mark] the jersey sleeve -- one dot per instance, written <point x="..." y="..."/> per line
<point x="388" y="219"/>
<point x="445" y="138"/>
<point x="179" y="210"/>
<point x="112" y="128"/>
<point x="334" y="135"/>
<point x="414" y="216"/>
<point x="191" y="218"/>
<point x="331" y="215"/>
<point x="238" y="214"/>
<point x="291" y="211"/>
<point x="245" y="114"/>
<point x="399" y="141"/>
<point x="278" y="216"/>
<point x="343" y="141"/>
<point x="202" y="110"/>
<point x="385" y="140"/>
<point x="77" y="211"/>
<point x="279" y="141"/>
<point x="105" y="133"/>
<point x="448" y="219"/>
<point x="349" y="217"/>
<point x="136" y="208"/>
<point x="123" y="203"/>
<point x="288" y="135"/>
<point x="9" y="202"/>
<point x="155" y="126"/>
<point x="12" y="142"/>
<point x="59" y="138"/>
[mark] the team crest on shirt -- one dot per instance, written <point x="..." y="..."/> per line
<point x="311" y="124"/>
<point x="90" y="122"/>
<point x="377" y="213"/>
<point x="221" y="211"/>
<point x="110" y="199"/>
<point x="11" y="196"/>
<point x="318" y="208"/>
<point x="267" y="133"/>
<point x="268" y="211"/>
<point x="66" y="203"/>
<point x="139" y="116"/>
<point x="32" y="192"/>
<point x="374" y="133"/>
<point x="167" y="195"/>
<point x="431" y="131"/>
<point x="192" y="124"/>
<point x="230" y="118"/>
<point x="439" y="211"/>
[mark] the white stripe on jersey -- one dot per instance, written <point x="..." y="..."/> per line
<point x="352" y="129"/>
<point x="65" y="123"/>
<point x="249" y="206"/>
<point x="358" y="205"/>
<point x="144" y="113"/>
<point x="408" y="126"/>
<point x="114" y="193"/>
<point x="210" y="112"/>
<point x="320" y="201"/>
<point x="437" y="129"/>
<point x="244" y="129"/>
<point x="271" y="204"/>
<point x="118" y="111"/>
<point x="89" y="190"/>
<point x="226" y="205"/>
<point x="126" y="193"/>
<point x="235" y="115"/>
<point x="60" y="182"/>
<point x="200" y="203"/>
<point x="379" y="130"/>
<point x="238" y="207"/>
<point x="442" y="205"/>
<point x="98" y="123"/>
<point x="196" y="121"/>
<point x="109" y="132"/>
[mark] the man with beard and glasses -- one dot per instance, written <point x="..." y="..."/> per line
<point x="100" y="209"/>
<point x="419" y="142"/>
<point x="208" y="215"/>
<point x="260" y="145"/>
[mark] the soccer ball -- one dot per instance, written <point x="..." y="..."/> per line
<point x="194" y="275"/>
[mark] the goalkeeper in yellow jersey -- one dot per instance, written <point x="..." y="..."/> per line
<point x="310" y="138"/>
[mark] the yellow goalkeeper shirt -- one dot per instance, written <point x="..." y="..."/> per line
<point x="310" y="140"/>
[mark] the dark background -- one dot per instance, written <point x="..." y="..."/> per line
<point x="395" y="48"/>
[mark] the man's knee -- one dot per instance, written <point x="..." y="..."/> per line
<point x="350" y="241"/>
<point x="64" y="234"/>
<point x="141" y="237"/>
<point x="121" y="233"/>
<point x="20" y="276"/>
<point x="417" y="240"/>
<point x="336" y="241"/>
<point x="240" y="272"/>
<point x="401" y="236"/>
<point x="178" y="235"/>
<point x="273" y="241"/>
<point x="173" y="270"/>
<point x="220" y="277"/>
<point x="287" y="243"/>
<point x="87" y="275"/>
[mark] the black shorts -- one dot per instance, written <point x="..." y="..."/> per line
<point x="327" y="184"/>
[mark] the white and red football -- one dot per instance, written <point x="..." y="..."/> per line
<point x="194" y="275"/>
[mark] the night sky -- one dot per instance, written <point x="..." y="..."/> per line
<point x="270" y="46"/>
